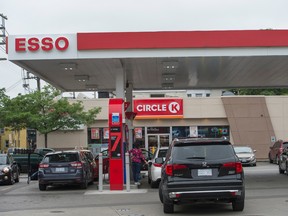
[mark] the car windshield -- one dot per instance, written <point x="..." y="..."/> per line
<point x="243" y="150"/>
<point x="199" y="152"/>
<point x="61" y="157"/>
<point x="3" y="160"/>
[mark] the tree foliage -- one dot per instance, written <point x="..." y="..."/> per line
<point x="46" y="112"/>
<point x="274" y="91"/>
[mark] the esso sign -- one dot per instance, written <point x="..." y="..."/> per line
<point x="45" y="44"/>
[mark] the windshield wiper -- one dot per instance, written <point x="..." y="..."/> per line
<point x="195" y="158"/>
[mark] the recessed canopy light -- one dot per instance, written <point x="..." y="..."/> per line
<point x="81" y="78"/>
<point x="68" y="66"/>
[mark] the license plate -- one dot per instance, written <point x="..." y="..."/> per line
<point x="60" y="169"/>
<point x="204" y="172"/>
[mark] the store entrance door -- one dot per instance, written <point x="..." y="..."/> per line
<point x="158" y="140"/>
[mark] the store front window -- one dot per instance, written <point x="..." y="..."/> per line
<point x="180" y="131"/>
<point x="214" y="132"/>
<point x="98" y="139"/>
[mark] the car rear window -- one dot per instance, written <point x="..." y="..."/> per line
<point x="61" y="157"/>
<point x="208" y="152"/>
<point x="285" y="144"/>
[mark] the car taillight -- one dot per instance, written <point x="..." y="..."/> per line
<point x="234" y="165"/>
<point x="157" y="164"/>
<point x="171" y="169"/>
<point x="76" y="164"/>
<point x="43" y="165"/>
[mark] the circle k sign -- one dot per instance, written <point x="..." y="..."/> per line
<point x="158" y="108"/>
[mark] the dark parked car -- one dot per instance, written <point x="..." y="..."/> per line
<point x="65" y="167"/>
<point x="92" y="163"/>
<point x="283" y="161"/>
<point x="197" y="170"/>
<point x="9" y="170"/>
<point x="246" y="155"/>
<point x="276" y="151"/>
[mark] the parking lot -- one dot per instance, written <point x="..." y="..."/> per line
<point x="266" y="195"/>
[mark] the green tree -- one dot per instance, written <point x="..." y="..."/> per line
<point x="47" y="112"/>
<point x="266" y="91"/>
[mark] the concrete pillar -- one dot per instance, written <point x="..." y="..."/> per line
<point x="129" y="98"/>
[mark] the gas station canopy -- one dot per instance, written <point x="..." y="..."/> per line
<point x="155" y="60"/>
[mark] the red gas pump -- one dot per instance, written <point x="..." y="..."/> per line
<point x="115" y="143"/>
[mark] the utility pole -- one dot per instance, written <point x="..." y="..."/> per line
<point x="28" y="76"/>
<point x="3" y="30"/>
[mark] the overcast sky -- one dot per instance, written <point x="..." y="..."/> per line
<point x="27" y="17"/>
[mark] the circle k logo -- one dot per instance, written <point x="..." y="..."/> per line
<point x="174" y="107"/>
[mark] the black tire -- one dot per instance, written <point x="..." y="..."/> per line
<point x="270" y="160"/>
<point x="277" y="160"/>
<point x="168" y="208"/>
<point x="154" y="184"/>
<point x="280" y="170"/>
<point x="84" y="184"/>
<point x="42" y="187"/>
<point x="238" y="204"/>
<point x="11" y="180"/>
<point x="160" y="193"/>
<point x="149" y="180"/>
<point x="17" y="177"/>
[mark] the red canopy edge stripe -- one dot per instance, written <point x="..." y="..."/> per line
<point x="182" y="39"/>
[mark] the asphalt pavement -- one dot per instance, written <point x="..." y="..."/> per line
<point x="266" y="195"/>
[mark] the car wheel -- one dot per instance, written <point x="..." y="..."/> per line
<point x="149" y="180"/>
<point x="84" y="184"/>
<point x="168" y="207"/>
<point x="270" y="160"/>
<point x="160" y="193"/>
<point x="16" y="177"/>
<point x="238" y="204"/>
<point x="42" y="187"/>
<point x="154" y="184"/>
<point x="11" y="181"/>
<point x="277" y="159"/>
<point x="280" y="170"/>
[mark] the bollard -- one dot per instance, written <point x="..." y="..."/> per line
<point x="127" y="164"/>
<point x="100" y="177"/>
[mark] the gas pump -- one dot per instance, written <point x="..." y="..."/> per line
<point x="116" y="153"/>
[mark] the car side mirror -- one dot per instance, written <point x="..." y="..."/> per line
<point x="254" y="151"/>
<point x="159" y="160"/>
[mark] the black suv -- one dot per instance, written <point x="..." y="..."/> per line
<point x="65" y="167"/>
<point x="198" y="170"/>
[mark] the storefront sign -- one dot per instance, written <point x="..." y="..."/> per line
<point x="45" y="44"/>
<point x="158" y="108"/>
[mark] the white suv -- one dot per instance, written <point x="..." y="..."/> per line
<point x="154" y="169"/>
